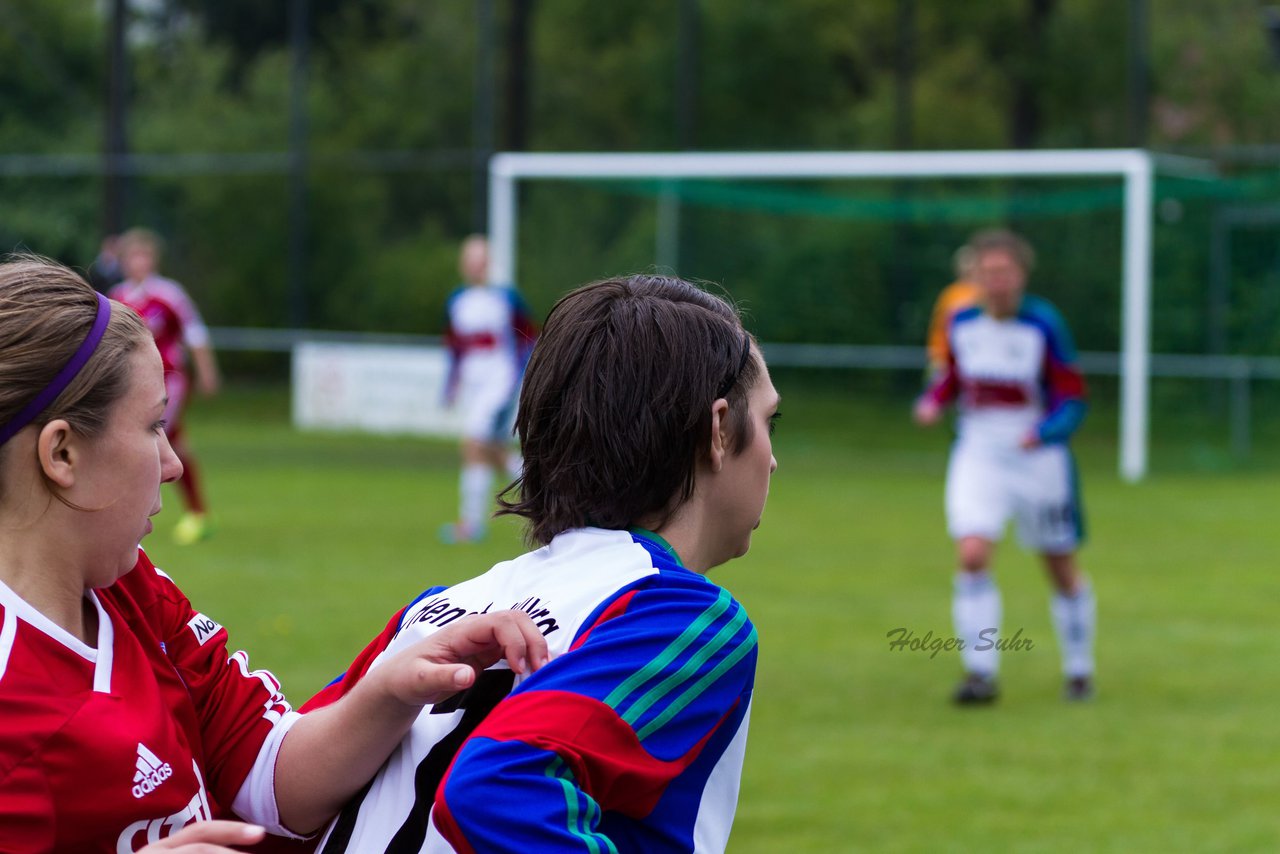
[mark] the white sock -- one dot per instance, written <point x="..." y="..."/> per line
<point x="1075" y="621"/>
<point x="975" y="608"/>
<point x="475" y="486"/>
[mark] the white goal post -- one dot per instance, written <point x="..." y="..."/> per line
<point x="1134" y="167"/>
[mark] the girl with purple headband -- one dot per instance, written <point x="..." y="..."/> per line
<point x="125" y="725"/>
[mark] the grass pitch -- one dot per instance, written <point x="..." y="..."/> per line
<point x="853" y="745"/>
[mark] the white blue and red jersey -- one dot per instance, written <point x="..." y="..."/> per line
<point x="489" y="329"/>
<point x="108" y="748"/>
<point x="630" y="739"/>
<point x="1012" y="377"/>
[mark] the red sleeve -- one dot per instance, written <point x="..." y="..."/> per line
<point x="453" y="347"/>
<point x="331" y="693"/>
<point x="452" y="342"/>
<point x="1063" y="379"/>
<point x="522" y="323"/>
<point x="237" y="708"/>
<point x="526" y="330"/>
<point x="945" y="385"/>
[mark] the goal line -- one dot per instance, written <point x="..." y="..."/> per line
<point x="1135" y="168"/>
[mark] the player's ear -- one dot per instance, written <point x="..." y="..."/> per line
<point x="58" y="449"/>
<point x="719" y="433"/>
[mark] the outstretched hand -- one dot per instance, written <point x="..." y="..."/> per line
<point x="208" y="837"/>
<point x="334" y="750"/>
<point x="449" y="660"/>
<point x="926" y="412"/>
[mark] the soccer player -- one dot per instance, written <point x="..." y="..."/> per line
<point x="645" y="420"/>
<point x="175" y="322"/>
<point x="489" y="336"/>
<point x="123" y="719"/>
<point x="955" y="297"/>
<point x="1011" y="371"/>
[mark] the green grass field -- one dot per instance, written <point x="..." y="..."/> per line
<point x="853" y="746"/>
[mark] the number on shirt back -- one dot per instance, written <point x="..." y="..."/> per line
<point x="475" y="704"/>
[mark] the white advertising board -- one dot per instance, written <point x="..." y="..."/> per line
<point x="376" y="388"/>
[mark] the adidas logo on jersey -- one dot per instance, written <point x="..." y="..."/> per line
<point x="140" y="833"/>
<point x="151" y="772"/>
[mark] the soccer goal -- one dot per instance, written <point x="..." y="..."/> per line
<point x="1132" y="168"/>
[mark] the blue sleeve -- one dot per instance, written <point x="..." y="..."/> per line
<point x="612" y="746"/>
<point x="1061" y="381"/>
<point x="1061" y="423"/>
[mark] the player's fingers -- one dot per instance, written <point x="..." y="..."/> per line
<point x="209" y="837"/>
<point x="439" y="681"/>
<point x="483" y="639"/>
<point x="523" y="645"/>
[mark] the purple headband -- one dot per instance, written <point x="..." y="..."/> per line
<point x="59" y="383"/>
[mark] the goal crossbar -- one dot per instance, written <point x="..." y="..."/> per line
<point x="1135" y="168"/>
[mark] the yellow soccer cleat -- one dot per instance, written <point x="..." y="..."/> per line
<point x="191" y="529"/>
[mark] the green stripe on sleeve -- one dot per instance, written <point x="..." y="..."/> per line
<point x="689" y="668"/>
<point x="701" y="685"/>
<point x="596" y="844"/>
<point x="673" y="650"/>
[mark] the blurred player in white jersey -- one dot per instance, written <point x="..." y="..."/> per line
<point x="489" y="335"/>
<point x="1011" y="372"/>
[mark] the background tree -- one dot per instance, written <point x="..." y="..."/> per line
<point x="391" y="108"/>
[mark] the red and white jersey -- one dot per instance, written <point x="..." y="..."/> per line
<point x="111" y="748"/>
<point x="169" y="313"/>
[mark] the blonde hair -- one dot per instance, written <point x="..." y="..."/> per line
<point x="140" y="237"/>
<point x="46" y="310"/>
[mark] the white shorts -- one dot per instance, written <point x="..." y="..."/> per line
<point x="489" y="394"/>
<point x="985" y="487"/>
<point x="490" y="414"/>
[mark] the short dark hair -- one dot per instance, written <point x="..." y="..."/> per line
<point x="615" y="409"/>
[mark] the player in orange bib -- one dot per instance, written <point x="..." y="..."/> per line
<point x="955" y="297"/>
